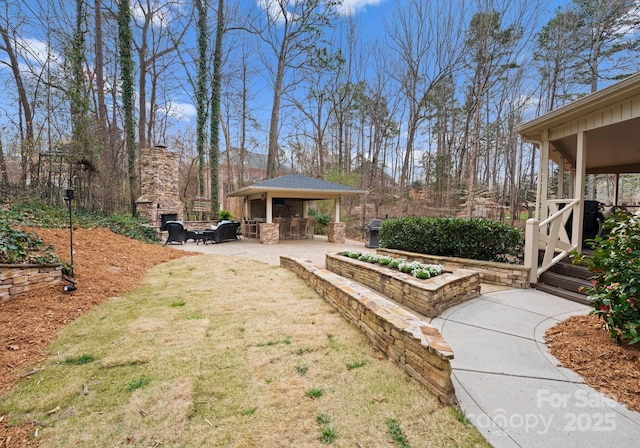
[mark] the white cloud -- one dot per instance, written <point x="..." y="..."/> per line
<point x="37" y="52"/>
<point x="346" y="8"/>
<point x="181" y="111"/>
<point x="351" y="7"/>
<point x="273" y="9"/>
<point x="161" y="14"/>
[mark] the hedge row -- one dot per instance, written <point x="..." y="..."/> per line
<point x="477" y="239"/>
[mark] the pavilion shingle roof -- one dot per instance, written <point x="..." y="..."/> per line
<point x="297" y="185"/>
<point x="300" y="182"/>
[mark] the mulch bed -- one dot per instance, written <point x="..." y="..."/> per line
<point x="582" y="345"/>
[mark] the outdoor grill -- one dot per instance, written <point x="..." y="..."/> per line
<point x="373" y="233"/>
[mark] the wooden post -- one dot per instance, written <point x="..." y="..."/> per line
<point x="542" y="208"/>
<point x="531" y="248"/>
<point x="578" y="210"/>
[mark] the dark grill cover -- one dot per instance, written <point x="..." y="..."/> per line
<point x="374" y="224"/>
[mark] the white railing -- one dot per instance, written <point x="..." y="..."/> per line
<point x="550" y="237"/>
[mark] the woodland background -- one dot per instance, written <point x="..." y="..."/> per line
<point x="421" y="114"/>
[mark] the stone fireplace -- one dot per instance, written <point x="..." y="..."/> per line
<point x="160" y="199"/>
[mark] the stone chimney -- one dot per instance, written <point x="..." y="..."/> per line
<point x="160" y="200"/>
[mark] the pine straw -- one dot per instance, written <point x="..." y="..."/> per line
<point x="581" y="344"/>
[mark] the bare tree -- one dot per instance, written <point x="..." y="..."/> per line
<point x="26" y="122"/>
<point x="161" y="28"/>
<point x="426" y="37"/>
<point x="289" y="29"/>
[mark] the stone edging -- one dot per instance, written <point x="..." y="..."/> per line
<point x="417" y="347"/>
<point x="16" y="279"/>
<point x="428" y="297"/>
<point x="505" y="274"/>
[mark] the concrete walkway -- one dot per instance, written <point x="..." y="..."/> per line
<point x="506" y="382"/>
<point x="513" y="390"/>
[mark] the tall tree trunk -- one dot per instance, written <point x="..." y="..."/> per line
<point x="99" y="68"/>
<point x="201" y="89"/>
<point x="275" y="113"/>
<point x="125" y="40"/>
<point x="27" y="143"/>
<point x="4" y="175"/>
<point x="214" y="149"/>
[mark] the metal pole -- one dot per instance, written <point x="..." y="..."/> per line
<point x="68" y="199"/>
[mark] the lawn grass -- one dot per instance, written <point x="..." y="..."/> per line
<point x="239" y="375"/>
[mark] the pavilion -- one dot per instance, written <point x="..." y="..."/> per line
<point x="596" y="134"/>
<point x="286" y="197"/>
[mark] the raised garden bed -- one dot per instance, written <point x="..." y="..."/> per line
<point x="504" y="274"/>
<point x="429" y="297"/>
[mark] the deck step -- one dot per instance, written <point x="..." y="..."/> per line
<point x="564" y="293"/>
<point x="560" y="280"/>
<point x="572" y="270"/>
<point x="564" y="280"/>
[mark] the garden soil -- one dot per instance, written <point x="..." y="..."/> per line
<point x="109" y="265"/>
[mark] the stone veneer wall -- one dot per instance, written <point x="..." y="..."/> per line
<point x="504" y="274"/>
<point x="428" y="297"/>
<point x="417" y="347"/>
<point x="269" y="232"/>
<point x="16" y="279"/>
<point x="336" y="232"/>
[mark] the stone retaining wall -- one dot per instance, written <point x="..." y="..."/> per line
<point x="428" y="297"/>
<point x="16" y="279"/>
<point x="513" y="275"/>
<point x="417" y="347"/>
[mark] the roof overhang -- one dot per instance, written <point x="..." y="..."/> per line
<point x="287" y="193"/>
<point x="610" y="119"/>
<point x="295" y="186"/>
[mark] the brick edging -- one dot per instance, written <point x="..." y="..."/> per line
<point x="416" y="346"/>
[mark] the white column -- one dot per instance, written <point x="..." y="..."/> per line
<point x="581" y="170"/>
<point x="561" y="172"/>
<point x="543" y="179"/>
<point x="531" y="247"/>
<point x="336" y="209"/>
<point x="572" y="183"/>
<point x="269" y="208"/>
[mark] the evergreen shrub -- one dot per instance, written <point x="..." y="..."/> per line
<point x="477" y="239"/>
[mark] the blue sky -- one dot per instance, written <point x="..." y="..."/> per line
<point x="369" y="15"/>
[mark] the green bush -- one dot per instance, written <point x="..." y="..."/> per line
<point x="477" y="239"/>
<point x="120" y="223"/>
<point x="224" y="215"/>
<point x="17" y="246"/>
<point x="615" y="264"/>
<point x="321" y="221"/>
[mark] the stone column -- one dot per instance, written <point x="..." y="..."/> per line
<point x="269" y="233"/>
<point x="336" y="232"/>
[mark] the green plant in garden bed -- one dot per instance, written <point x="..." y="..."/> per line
<point x="615" y="290"/>
<point x="17" y="246"/>
<point x="37" y="214"/>
<point x="415" y="268"/>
